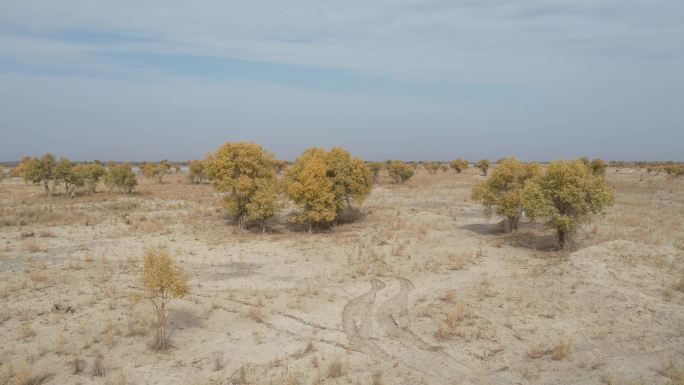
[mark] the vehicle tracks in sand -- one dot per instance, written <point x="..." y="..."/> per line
<point x="408" y="350"/>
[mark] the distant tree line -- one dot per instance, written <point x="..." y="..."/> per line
<point x="324" y="184"/>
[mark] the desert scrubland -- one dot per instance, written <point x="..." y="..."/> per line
<point x="419" y="289"/>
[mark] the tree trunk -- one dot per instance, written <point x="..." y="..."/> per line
<point x="162" y="327"/>
<point x="310" y="228"/>
<point x="563" y="239"/>
<point x="263" y="226"/>
<point x="46" y="185"/>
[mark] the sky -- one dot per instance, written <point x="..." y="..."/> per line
<point x="413" y="80"/>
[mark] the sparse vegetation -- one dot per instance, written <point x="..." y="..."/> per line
<point x="566" y="195"/>
<point x="483" y="165"/>
<point x="324" y="183"/>
<point x="245" y="172"/>
<point x="420" y="273"/>
<point x="502" y="192"/>
<point x="120" y="176"/>
<point x="459" y="165"/>
<point x="162" y="280"/>
<point x="400" y="171"/>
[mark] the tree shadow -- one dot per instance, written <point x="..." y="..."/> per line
<point x="529" y="235"/>
<point x="181" y="319"/>
<point x="485" y="228"/>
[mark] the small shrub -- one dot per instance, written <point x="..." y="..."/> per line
<point x="120" y="177"/>
<point x="162" y="280"/>
<point x="400" y="171"/>
<point x="335" y="368"/>
<point x="483" y="165"/>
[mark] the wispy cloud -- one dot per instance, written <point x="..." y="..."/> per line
<point x="534" y="66"/>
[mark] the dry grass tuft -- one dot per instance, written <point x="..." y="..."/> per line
<point x="335" y="368"/>
<point x="255" y="315"/>
<point x="77" y="364"/>
<point x="98" y="366"/>
<point x="561" y="350"/>
<point x="669" y="369"/>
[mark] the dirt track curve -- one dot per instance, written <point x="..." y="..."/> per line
<point x="409" y="353"/>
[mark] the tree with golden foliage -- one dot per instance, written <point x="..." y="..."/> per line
<point x="431" y="167"/>
<point x="459" y="165"/>
<point x="65" y="172"/>
<point x="598" y="167"/>
<point x="400" y="171"/>
<point x="307" y="183"/>
<point x="91" y="174"/>
<point x="501" y="193"/>
<point x="375" y="168"/>
<point x="39" y="170"/>
<point x="121" y="177"/>
<point x="156" y="170"/>
<point x="483" y="165"/>
<point x="18" y="170"/>
<point x="196" y="172"/>
<point x="245" y="172"/>
<point x="162" y="280"/>
<point x="352" y="180"/>
<point x="566" y="195"/>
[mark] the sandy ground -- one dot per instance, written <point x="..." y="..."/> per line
<point x="420" y="290"/>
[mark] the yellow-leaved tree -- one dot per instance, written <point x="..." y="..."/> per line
<point x="483" y="165"/>
<point x="245" y="172"/>
<point x="308" y="185"/>
<point x="598" y="166"/>
<point x="502" y="192"/>
<point x="39" y="170"/>
<point x="196" y="172"/>
<point x="162" y="280"/>
<point x="459" y="165"/>
<point x="91" y="174"/>
<point x="324" y="184"/>
<point x="400" y="171"/>
<point x="352" y="180"/>
<point x="121" y="177"/>
<point x="431" y="167"/>
<point x="566" y="195"/>
<point x="375" y="168"/>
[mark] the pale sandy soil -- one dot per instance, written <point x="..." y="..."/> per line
<point x="420" y="290"/>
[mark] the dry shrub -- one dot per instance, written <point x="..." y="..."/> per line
<point x="98" y="366"/>
<point x="450" y="296"/>
<point x="335" y="368"/>
<point x="218" y="361"/>
<point x="136" y="328"/>
<point x="458" y="313"/>
<point x="255" y="315"/>
<point x="292" y="378"/>
<point x="77" y="364"/>
<point x="560" y="351"/>
<point x="537" y="351"/>
<point x="25" y="376"/>
<point x="669" y="369"/>
<point x="33" y="247"/>
<point x="26" y="331"/>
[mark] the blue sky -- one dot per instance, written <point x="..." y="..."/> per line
<point x="540" y="79"/>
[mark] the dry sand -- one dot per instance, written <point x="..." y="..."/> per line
<point x="421" y="289"/>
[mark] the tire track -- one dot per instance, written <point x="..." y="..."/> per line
<point x="360" y="309"/>
<point x="431" y="359"/>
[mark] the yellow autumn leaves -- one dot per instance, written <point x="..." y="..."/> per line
<point x="321" y="183"/>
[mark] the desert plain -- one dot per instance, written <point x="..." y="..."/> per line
<point x="419" y="288"/>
